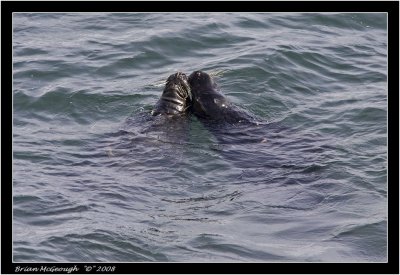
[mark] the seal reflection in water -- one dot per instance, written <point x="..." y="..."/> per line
<point x="176" y="96"/>
<point x="209" y="104"/>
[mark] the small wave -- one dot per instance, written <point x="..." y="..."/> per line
<point x="311" y="186"/>
<point x="97" y="246"/>
<point x="218" y="197"/>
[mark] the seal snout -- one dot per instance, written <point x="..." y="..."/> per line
<point x="201" y="81"/>
<point x="177" y="78"/>
<point x="196" y="75"/>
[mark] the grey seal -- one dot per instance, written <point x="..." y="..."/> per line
<point x="208" y="103"/>
<point x="176" y="96"/>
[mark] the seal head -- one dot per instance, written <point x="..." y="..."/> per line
<point x="176" y="96"/>
<point x="211" y="105"/>
<point x="207" y="101"/>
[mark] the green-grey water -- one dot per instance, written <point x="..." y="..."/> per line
<point x="95" y="178"/>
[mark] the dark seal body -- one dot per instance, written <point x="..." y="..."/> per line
<point x="176" y="96"/>
<point x="209" y="104"/>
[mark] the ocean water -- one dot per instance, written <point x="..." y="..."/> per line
<point x="97" y="179"/>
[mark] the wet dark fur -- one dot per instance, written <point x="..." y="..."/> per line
<point x="176" y="96"/>
<point x="209" y="104"/>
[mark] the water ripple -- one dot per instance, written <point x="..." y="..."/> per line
<point x="96" y="178"/>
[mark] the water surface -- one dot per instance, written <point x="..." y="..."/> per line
<point x="95" y="178"/>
